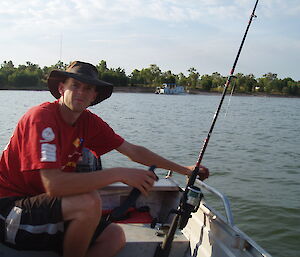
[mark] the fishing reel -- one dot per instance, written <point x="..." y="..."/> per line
<point x="190" y="204"/>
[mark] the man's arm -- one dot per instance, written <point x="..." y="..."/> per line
<point x="144" y="156"/>
<point x="58" y="183"/>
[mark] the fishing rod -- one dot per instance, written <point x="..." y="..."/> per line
<point x="189" y="202"/>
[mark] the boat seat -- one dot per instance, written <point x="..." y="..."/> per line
<point x="160" y="185"/>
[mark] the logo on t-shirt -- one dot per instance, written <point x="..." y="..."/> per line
<point x="76" y="142"/>
<point x="47" y="135"/>
<point x="48" y="153"/>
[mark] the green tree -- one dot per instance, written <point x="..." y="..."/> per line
<point x="218" y="81"/>
<point x="206" y="82"/>
<point x="267" y="82"/>
<point x="117" y="76"/>
<point x="250" y="83"/>
<point x="3" y="79"/>
<point x="8" y="66"/>
<point x="136" y="78"/>
<point x="6" y="69"/>
<point x="102" y="67"/>
<point x="155" y="74"/>
<point x="168" y="77"/>
<point x="238" y="82"/>
<point x="193" y="77"/>
<point x="46" y="70"/>
<point x="244" y="83"/>
<point x="292" y="88"/>
<point x="181" y="79"/>
<point x="24" y="79"/>
<point x="151" y="76"/>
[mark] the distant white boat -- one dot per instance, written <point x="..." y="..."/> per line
<point x="170" y="89"/>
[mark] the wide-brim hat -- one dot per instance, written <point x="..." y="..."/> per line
<point x="84" y="72"/>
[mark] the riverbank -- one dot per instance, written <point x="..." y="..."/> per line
<point x="134" y="89"/>
<point x="196" y="92"/>
<point x="151" y="90"/>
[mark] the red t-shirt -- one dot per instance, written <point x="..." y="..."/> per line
<point x="42" y="140"/>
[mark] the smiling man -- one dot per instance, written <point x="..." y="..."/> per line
<point x="44" y="204"/>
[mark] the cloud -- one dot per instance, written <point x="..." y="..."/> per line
<point x="279" y="8"/>
<point x="144" y="32"/>
<point x="55" y="16"/>
<point x="40" y="13"/>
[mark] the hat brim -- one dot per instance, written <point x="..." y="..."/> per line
<point x="103" y="88"/>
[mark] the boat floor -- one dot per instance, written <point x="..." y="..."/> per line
<point x="143" y="240"/>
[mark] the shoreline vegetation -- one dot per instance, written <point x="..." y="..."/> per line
<point x="198" y="92"/>
<point x="151" y="90"/>
<point x="32" y="77"/>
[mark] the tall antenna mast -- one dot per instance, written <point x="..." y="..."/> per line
<point x="60" y="49"/>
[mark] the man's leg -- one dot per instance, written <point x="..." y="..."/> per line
<point x="84" y="214"/>
<point x="108" y="243"/>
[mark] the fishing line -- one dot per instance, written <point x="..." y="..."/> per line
<point x="234" y="85"/>
<point x="184" y="210"/>
<point x="229" y="101"/>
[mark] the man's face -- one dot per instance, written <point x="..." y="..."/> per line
<point x="76" y="95"/>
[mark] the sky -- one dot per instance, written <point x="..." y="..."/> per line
<point x="175" y="35"/>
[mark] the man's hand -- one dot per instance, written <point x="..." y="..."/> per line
<point x="143" y="180"/>
<point x="203" y="172"/>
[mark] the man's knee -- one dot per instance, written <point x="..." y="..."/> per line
<point x="114" y="234"/>
<point x="119" y="235"/>
<point x="82" y="206"/>
<point x="91" y="201"/>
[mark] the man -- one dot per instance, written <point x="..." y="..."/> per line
<point x="44" y="205"/>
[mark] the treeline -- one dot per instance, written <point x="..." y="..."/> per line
<point x="32" y="76"/>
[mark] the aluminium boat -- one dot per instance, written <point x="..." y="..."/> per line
<point x="146" y="222"/>
<point x="207" y="233"/>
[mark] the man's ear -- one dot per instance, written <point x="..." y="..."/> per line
<point x="61" y="88"/>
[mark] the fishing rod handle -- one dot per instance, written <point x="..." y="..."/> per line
<point x="129" y="202"/>
<point x="135" y="193"/>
